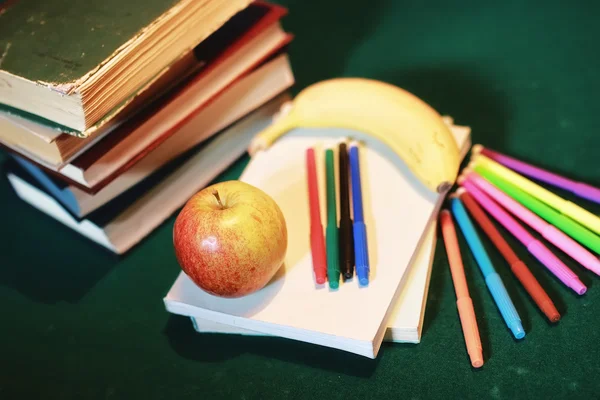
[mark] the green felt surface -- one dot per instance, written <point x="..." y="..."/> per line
<point x="80" y="323"/>
<point x="58" y="41"/>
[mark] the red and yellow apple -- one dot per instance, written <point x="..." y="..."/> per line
<point x="230" y="239"/>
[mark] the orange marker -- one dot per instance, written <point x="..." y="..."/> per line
<point x="463" y="300"/>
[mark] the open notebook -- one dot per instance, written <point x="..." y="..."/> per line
<point x="398" y="211"/>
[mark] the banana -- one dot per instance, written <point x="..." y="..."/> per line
<point x="399" y="119"/>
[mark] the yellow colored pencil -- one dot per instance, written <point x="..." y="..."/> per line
<point x="565" y="207"/>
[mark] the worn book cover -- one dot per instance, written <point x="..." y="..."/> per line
<point x="79" y="60"/>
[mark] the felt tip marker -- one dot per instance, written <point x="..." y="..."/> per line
<point x="549" y="232"/>
<point x="534" y="246"/>
<point x="464" y="303"/>
<point x="361" y="251"/>
<point x="331" y="233"/>
<point x="317" y="241"/>
<point x="565" y="224"/>
<point x="572" y="210"/>
<point x="346" y="238"/>
<point x="580" y="189"/>
<point x="517" y="266"/>
<point x="492" y="279"/>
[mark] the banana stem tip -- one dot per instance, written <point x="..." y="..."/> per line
<point x="444" y="187"/>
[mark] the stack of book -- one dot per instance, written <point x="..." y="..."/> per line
<point x="114" y="119"/>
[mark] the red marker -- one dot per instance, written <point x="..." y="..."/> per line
<point x="518" y="267"/>
<point x="317" y="241"/>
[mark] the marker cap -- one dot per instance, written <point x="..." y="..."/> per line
<point x="361" y="252"/>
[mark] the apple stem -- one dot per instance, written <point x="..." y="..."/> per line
<point x="216" y="194"/>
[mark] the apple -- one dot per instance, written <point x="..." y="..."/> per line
<point x="230" y="239"/>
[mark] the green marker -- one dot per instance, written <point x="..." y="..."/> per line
<point x="331" y="232"/>
<point x="565" y="224"/>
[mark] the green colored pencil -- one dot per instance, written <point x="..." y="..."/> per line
<point x="331" y="232"/>
<point x="565" y="224"/>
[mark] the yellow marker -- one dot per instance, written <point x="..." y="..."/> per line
<point x="565" y="207"/>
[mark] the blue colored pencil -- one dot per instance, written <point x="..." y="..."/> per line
<point x="492" y="279"/>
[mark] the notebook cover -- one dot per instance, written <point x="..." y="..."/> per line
<point x="398" y="208"/>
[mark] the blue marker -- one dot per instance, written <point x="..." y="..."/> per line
<point x="492" y="279"/>
<point x="361" y="252"/>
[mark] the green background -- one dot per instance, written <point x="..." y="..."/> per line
<point x="78" y="322"/>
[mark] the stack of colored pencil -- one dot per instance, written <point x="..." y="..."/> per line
<point x="345" y="242"/>
<point x="510" y="192"/>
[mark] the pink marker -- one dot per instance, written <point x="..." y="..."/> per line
<point x="535" y="247"/>
<point x="549" y="232"/>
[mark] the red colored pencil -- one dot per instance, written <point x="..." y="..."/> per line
<point x="518" y="267"/>
<point x="317" y="241"/>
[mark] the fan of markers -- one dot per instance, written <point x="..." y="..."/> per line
<point x="506" y="189"/>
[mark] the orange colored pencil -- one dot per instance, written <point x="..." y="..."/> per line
<point x="463" y="300"/>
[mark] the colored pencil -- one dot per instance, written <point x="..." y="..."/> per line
<point x="518" y="267"/>
<point x="464" y="303"/>
<point x="492" y="279"/>
<point x="580" y="189"/>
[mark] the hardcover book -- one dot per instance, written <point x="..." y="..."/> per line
<point x="123" y="223"/>
<point x="82" y="60"/>
<point x="244" y="96"/>
<point x="236" y="48"/>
